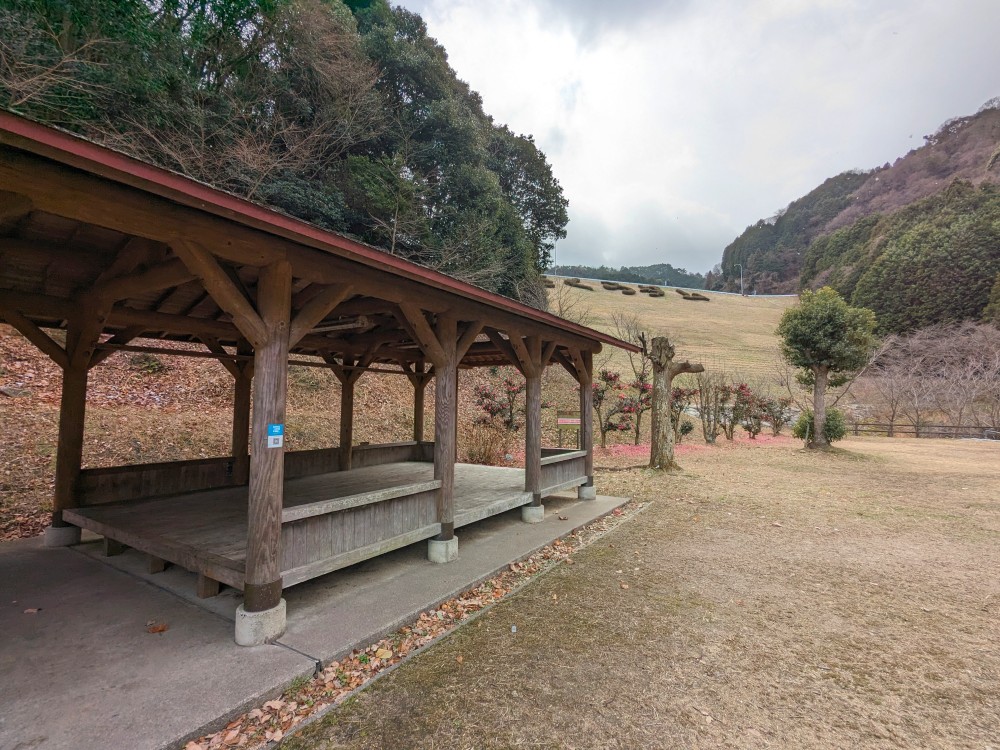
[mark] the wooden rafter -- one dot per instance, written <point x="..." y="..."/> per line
<point x="165" y="275"/>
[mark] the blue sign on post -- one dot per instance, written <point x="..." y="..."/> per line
<point x="275" y="435"/>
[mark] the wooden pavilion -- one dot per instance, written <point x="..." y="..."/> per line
<point x="112" y="250"/>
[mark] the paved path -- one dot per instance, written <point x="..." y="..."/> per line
<point x="83" y="672"/>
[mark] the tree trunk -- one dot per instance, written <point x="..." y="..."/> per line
<point x="661" y="454"/>
<point x="818" y="439"/>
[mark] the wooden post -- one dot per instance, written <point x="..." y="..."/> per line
<point x="262" y="590"/>
<point x="586" y="380"/>
<point x="347" y="421"/>
<point x="455" y="410"/>
<point x="533" y="420"/>
<point x="445" y="397"/>
<point x="242" y="387"/>
<point x="69" y="451"/>
<point x="419" y="391"/>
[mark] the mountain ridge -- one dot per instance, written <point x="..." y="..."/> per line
<point x="773" y="251"/>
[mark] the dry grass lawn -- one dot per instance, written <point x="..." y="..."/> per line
<point x="729" y="332"/>
<point x="767" y="597"/>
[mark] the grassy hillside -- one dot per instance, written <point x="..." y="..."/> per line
<point x="729" y="332"/>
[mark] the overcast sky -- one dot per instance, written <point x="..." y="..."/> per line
<point x="674" y="124"/>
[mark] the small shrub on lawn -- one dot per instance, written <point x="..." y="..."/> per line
<point x="834" y="429"/>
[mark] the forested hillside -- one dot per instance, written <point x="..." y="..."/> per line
<point x="659" y="273"/>
<point x="345" y="115"/>
<point x="918" y="240"/>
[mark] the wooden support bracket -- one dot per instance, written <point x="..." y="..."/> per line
<point x="220" y="286"/>
<point x="315" y="310"/>
<point x="36" y="336"/>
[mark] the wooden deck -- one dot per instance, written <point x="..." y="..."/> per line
<point x="379" y="508"/>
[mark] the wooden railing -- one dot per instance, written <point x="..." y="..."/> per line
<point x="145" y="481"/>
<point x="326" y="535"/>
<point x="561" y="469"/>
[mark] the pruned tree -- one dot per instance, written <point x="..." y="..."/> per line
<point x="830" y="342"/>
<point x="711" y="401"/>
<point x="662" y="354"/>
<point x="628" y="327"/>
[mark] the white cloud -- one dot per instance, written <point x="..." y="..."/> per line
<point x="672" y="126"/>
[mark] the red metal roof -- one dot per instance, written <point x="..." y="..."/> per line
<point x="73" y="150"/>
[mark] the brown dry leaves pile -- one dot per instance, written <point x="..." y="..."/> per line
<point x="339" y="679"/>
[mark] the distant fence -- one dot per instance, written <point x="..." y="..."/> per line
<point x="925" y="430"/>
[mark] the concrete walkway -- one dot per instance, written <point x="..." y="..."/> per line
<point x="81" y="671"/>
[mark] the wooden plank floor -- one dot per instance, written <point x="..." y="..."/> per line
<point x="212" y="525"/>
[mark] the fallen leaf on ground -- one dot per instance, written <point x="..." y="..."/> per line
<point x="563" y="518"/>
<point x="32" y="610"/>
<point x="157" y="627"/>
<point x="623" y="585"/>
<point x="383" y="653"/>
<point x="459" y="659"/>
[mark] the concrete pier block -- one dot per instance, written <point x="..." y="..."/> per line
<point x="532" y="513"/>
<point x="441" y="552"/>
<point x="61" y="536"/>
<point x="258" y="628"/>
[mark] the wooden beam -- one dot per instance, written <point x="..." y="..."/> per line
<point x="35" y="335"/>
<point x="262" y="590"/>
<point x="316" y="309"/>
<point x="222" y="289"/>
<point x="135" y="251"/>
<point x="13" y="208"/>
<point x="119" y="339"/>
<point x="162" y="276"/>
<point x="424" y="335"/>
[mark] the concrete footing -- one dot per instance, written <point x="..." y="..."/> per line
<point x="258" y="628"/>
<point x="439" y="551"/>
<point x="532" y="513"/>
<point x="586" y="493"/>
<point x="61" y="536"/>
